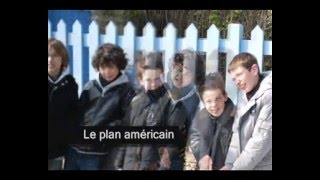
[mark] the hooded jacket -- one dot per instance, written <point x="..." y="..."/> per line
<point x="62" y="106"/>
<point x="251" y="144"/>
<point x="103" y="106"/>
<point x="215" y="134"/>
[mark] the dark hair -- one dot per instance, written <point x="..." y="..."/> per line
<point x="193" y="61"/>
<point x="60" y="49"/>
<point x="243" y="59"/>
<point x="151" y="60"/>
<point x="109" y="54"/>
<point x="213" y="81"/>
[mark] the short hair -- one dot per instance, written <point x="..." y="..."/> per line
<point x="213" y="81"/>
<point x="60" y="49"/>
<point x="243" y="59"/>
<point x="109" y="54"/>
<point x="193" y="61"/>
<point x="150" y="60"/>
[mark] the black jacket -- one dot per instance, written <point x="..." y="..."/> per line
<point x="145" y="110"/>
<point x="103" y="106"/>
<point x="62" y="103"/>
<point x="215" y="142"/>
<point x="181" y="114"/>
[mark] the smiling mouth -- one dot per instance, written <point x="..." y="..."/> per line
<point x="241" y="86"/>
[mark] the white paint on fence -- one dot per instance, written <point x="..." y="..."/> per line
<point x="256" y="44"/>
<point x="212" y="49"/>
<point x="111" y="33"/>
<point x="168" y="44"/>
<point x="92" y="43"/>
<point x="62" y="32"/>
<point x="129" y="42"/>
<point x="234" y="35"/>
<point x="77" y="44"/>
<point x="148" y="40"/>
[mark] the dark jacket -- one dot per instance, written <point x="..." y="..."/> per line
<point x="181" y="114"/>
<point x="145" y="111"/>
<point x="215" y="139"/>
<point x="103" y="106"/>
<point x="62" y="103"/>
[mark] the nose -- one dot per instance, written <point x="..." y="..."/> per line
<point x="238" y="81"/>
<point x="213" y="104"/>
<point x="153" y="84"/>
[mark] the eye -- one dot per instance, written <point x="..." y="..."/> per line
<point x="219" y="99"/>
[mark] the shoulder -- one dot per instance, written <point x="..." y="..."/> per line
<point x="203" y="115"/>
<point x="69" y="79"/>
<point x="203" y="121"/>
<point x="89" y="85"/>
<point x="266" y="98"/>
<point x="138" y="98"/>
<point x="127" y="86"/>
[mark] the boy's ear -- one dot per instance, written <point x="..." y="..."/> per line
<point x="225" y="96"/>
<point x="255" y="69"/>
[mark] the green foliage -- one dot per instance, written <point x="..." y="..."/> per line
<point x="181" y="19"/>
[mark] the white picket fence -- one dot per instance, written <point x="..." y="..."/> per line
<point x="168" y="44"/>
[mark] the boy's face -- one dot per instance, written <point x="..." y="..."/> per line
<point x="181" y="77"/>
<point x="245" y="79"/>
<point x="151" y="79"/>
<point x="214" y="101"/>
<point x="109" y="73"/>
<point x="54" y="63"/>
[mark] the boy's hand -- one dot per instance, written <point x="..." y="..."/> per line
<point x="165" y="159"/>
<point x="224" y="168"/>
<point x="205" y="163"/>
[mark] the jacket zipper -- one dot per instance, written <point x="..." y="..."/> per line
<point x="56" y="87"/>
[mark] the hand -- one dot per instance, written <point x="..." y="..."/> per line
<point x="165" y="159"/>
<point x="205" y="163"/>
<point x="224" y="168"/>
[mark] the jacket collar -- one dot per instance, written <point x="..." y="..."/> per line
<point x="227" y="113"/>
<point x="63" y="74"/>
<point x="265" y="85"/>
<point x="120" y="80"/>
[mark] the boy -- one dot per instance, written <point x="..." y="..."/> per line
<point x="103" y="102"/>
<point x="214" y="123"/>
<point x="62" y="103"/>
<point x="251" y="144"/>
<point x="148" y="108"/>
<point x="182" y="80"/>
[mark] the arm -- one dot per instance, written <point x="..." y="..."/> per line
<point x="234" y="146"/>
<point x="194" y="138"/>
<point x="119" y="161"/>
<point x="261" y="141"/>
<point x="127" y="109"/>
<point x="72" y="113"/>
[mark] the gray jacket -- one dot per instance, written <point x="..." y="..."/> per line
<point x="251" y="143"/>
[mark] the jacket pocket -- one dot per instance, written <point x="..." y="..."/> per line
<point x="265" y="128"/>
